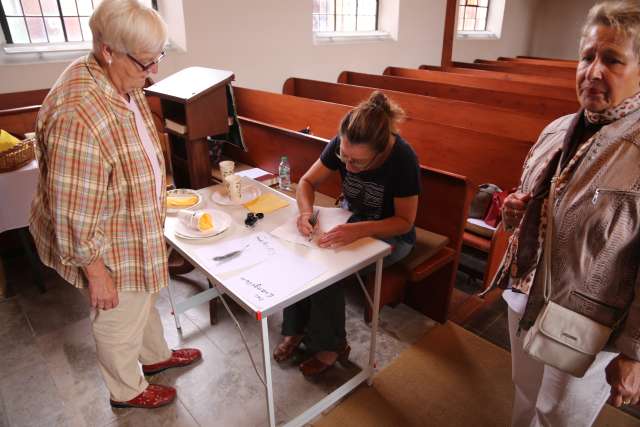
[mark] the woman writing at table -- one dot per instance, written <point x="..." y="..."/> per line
<point x="380" y="184"/>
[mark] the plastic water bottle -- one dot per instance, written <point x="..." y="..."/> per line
<point x="284" y="174"/>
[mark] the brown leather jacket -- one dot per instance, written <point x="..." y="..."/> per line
<point x="596" y="250"/>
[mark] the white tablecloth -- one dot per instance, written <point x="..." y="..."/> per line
<point x="17" y="189"/>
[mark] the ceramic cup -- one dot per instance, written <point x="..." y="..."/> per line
<point x="226" y="168"/>
<point x="235" y="187"/>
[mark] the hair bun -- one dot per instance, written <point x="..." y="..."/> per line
<point x="379" y="100"/>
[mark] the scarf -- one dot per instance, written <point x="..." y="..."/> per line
<point x="629" y="105"/>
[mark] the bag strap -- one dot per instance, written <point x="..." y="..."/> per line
<point x="548" y="238"/>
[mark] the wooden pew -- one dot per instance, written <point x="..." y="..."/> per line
<point x="443" y="207"/>
<point x="546" y="107"/>
<point x="547" y="62"/>
<point x="19" y="111"/>
<point x="573" y="61"/>
<point x="505" y="76"/>
<point x="466" y="152"/>
<point x="474" y="80"/>
<point x="478" y="156"/>
<point x="536" y="70"/>
<point x="20" y="120"/>
<point x="466" y="115"/>
<point x="22" y="99"/>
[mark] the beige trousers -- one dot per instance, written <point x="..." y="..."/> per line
<point x="126" y="336"/>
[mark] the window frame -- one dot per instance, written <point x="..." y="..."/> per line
<point x="67" y="45"/>
<point x="470" y="33"/>
<point x="344" y="33"/>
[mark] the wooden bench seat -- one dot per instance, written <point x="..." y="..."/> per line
<point x="545" y="107"/>
<point x="450" y="112"/>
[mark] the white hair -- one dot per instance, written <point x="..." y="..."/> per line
<point x="621" y="15"/>
<point x="128" y="26"/>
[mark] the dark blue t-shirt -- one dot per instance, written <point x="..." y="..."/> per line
<point x="370" y="193"/>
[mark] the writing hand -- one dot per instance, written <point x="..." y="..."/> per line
<point x="305" y="224"/>
<point x="340" y="235"/>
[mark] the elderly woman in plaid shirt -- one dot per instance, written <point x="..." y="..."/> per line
<point x="100" y="206"/>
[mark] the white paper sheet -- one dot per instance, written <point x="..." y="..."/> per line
<point x="255" y="248"/>
<point x="252" y="173"/>
<point x="327" y="219"/>
<point x="269" y="283"/>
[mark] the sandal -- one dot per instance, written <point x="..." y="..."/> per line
<point x="287" y="348"/>
<point x="313" y="366"/>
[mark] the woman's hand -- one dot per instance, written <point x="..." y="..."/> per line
<point x="623" y="375"/>
<point x="103" y="294"/>
<point x="304" y="225"/>
<point x="513" y="209"/>
<point x="340" y="235"/>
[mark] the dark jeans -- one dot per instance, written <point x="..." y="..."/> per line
<point x="320" y="317"/>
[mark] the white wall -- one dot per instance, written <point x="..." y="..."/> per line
<point x="514" y="40"/>
<point x="264" y="42"/>
<point x="557" y="26"/>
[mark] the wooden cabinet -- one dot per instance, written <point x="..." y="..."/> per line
<point x="194" y="106"/>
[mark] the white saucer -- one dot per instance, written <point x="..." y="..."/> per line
<point x="183" y="192"/>
<point x="221" y="221"/>
<point x="249" y="192"/>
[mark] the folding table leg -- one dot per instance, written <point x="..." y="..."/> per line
<point x="266" y="355"/>
<point x="374" y="320"/>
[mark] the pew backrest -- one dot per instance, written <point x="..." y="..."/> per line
<point x="450" y="112"/>
<point x="536" y="70"/>
<point x="549" y="62"/>
<point x="546" y="107"/>
<point x="506" y="76"/>
<point x="478" y="81"/>
<point x="462" y="151"/>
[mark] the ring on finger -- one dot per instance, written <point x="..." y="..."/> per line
<point x="626" y="401"/>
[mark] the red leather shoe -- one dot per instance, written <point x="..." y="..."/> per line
<point x="181" y="357"/>
<point x="154" y="396"/>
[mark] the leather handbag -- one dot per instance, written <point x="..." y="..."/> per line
<point x="560" y="337"/>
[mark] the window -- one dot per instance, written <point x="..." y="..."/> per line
<point x="345" y="16"/>
<point x="472" y="15"/>
<point x="48" y="21"/>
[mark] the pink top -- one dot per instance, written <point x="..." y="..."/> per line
<point x="147" y="144"/>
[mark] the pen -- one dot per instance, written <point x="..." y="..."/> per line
<point x="313" y="221"/>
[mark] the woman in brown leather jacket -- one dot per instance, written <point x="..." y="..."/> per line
<point x="595" y="156"/>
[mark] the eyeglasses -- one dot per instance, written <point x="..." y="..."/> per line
<point x="356" y="164"/>
<point x="144" y="67"/>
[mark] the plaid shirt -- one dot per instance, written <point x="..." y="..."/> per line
<point x="96" y="196"/>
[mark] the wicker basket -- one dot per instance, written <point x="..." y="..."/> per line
<point x="17" y="156"/>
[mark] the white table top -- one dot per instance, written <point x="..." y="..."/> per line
<point x="339" y="263"/>
<point x="17" y="189"/>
